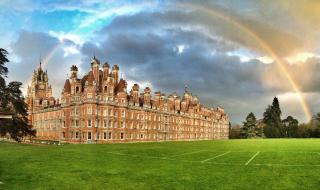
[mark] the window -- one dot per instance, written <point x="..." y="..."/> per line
<point x="105" y="123"/>
<point x="105" y="88"/>
<point x="109" y="135"/>
<point x="141" y="136"/>
<point x="89" y="135"/>
<point x="123" y="113"/>
<point x="63" y="135"/>
<point x="77" y="89"/>
<point x="104" y="135"/>
<point x="115" y="124"/>
<point x="122" y="124"/>
<point x="77" y="123"/>
<point x="89" y="110"/>
<point x="83" y="135"/>
<point x="89" y="122"/>
<point x="77" y="135"/>
<point x="121" y="135"/>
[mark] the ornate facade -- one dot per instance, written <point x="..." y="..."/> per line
<point x="98" y="109"/>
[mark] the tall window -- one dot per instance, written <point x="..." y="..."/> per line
<point x="105" y="123"/>
<point x="109" y="135"/>
<point x="105" y="88"/>
<point x="104" y="135"/>
<point x="89" y="135"/>
<point x="77" y="123"/>
<point x="89" y="123"/>
<point x="77" y="135"/>
<point x="121" y="135"/>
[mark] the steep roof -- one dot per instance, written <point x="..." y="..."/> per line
<point x="67" y="86"/>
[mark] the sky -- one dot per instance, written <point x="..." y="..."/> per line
<point x="236" y="54"/>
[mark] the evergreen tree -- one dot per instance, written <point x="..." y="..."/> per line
<point x="12" y="101"/>
<point x="272" y="119"/>
<point x="249" y="129"/>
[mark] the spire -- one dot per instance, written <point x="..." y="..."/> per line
<point x="40" y="62"/>
<point x="185" y="88"/>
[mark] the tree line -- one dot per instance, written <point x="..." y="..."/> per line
<point x="272" y="126"/>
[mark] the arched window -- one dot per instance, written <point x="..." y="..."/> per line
<point x="105" y="88"/>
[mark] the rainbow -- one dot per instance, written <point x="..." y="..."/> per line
<point x="210" y="11"/>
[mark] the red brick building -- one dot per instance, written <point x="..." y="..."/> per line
<point x="98" y="109"/>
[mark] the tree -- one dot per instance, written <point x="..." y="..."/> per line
<point x="12" y="101"/>
<point x="234" y="132"/>
<point x="272" y="120"/>
<point x="249" y="128"/>
<point x="290" y="127"/>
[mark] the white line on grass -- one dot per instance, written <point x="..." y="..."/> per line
<point x="213" y="163"/>
<point x="214" y="157"/>
<point x="252" y="158"/>
<point x="186" y="153"/>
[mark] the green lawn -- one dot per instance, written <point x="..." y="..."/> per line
<point x="230" y="164"/>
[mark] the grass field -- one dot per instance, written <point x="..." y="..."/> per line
<point x="230" y="164"/>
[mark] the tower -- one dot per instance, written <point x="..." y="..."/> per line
<point x="95" y="63"/>
<point x="39" y="93"/>
<point x="115" y="73"/>
<point x="73" y="72"/>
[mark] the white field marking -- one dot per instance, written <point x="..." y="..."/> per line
<point x="287" y="165"/>
<point x="186" y="153"/>
<point x="252" y="158"/>
<point x="215" y="157"/>
<point x="214" y="163"/>
<point x="1" y="182"/>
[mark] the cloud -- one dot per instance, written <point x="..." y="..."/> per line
<point x="26" y="52"/>
<point x="164" y="46"/>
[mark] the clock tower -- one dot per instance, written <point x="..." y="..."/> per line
<point x="39" y="93"/>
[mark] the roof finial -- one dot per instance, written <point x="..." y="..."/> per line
<point x="186" y="88"/>
<point x="40" y="61"/>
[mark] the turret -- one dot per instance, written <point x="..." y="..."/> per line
<point x="95" y="63"/>
<point x="73" y="72"/>
<point x="105" y="70"/>
<point x="147" y="97"/>
<point x="115" y="73"/>
<point x="135" y="94"/>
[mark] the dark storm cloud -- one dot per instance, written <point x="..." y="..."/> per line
<point x="146" y="47"/>
<point x="173" y="46"/>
